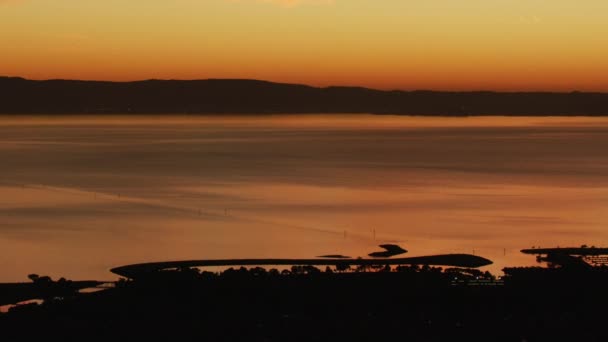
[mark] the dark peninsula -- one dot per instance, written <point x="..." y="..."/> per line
<point x="218" y="96"/>
<point x="353" y="299"/>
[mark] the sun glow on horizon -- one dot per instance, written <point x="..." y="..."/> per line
<point x="393" y="44"/>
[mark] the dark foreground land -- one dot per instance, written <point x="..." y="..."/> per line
<point x="21" y="96"/>
<point x="44" y="288"/>
<point x="306" y="304"/>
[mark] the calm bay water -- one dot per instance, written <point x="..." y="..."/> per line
<point x="79" y="195"/>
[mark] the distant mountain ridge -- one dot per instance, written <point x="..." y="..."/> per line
<point x="241" y="96"/>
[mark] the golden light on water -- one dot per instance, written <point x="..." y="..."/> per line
<point x="84" y="194"/>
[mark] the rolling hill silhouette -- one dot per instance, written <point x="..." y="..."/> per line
<point x="217" y="96"/>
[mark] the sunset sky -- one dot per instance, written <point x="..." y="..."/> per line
<point x="388" y="44"/>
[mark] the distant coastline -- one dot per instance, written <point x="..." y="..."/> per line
<point x="233" y="96"/>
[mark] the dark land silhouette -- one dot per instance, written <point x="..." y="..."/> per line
<point x="458" y="260"/>
<point x="570" y="257"/>
<point x="363" y="302"/>
<point x="410" y="303"/>
<point x="217" y="96"/>
<point x="42" y="288"/>
<point x="390" y="250"/>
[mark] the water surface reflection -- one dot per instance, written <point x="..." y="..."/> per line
<point x="79" y="195"/>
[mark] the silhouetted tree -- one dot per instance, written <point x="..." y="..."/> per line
<point x="309" y="269"/>
<point x="342" y="267"/>
<point x="257" y="272"/>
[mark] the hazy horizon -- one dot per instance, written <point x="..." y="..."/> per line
<point x="565" y="91"/>
<point x="81" y="194"/>
<point x="465" y="45"/>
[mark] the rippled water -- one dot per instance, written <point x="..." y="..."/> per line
<point x="79" y="195"/>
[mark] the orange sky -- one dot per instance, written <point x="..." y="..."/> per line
<point x="431" y="44"/>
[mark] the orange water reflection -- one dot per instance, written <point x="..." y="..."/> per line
<point x="79" y="195"/>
